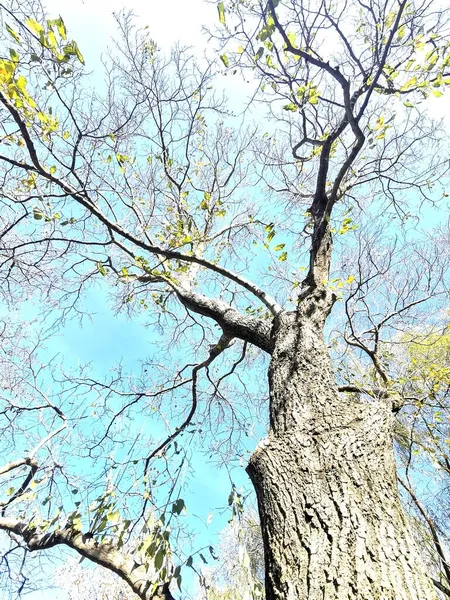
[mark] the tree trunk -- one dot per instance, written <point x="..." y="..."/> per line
<point x="325" y="478"/>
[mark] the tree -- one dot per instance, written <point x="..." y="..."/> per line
<point x="83" y="583"/>
<point x="240" y="570"/>
<point x="422" y="435"/>
<point x="147" y="187"/>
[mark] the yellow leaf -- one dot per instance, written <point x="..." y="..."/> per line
<point x="34" y="26"/>
<point x="51" y="38"/>
<point x="380" y="123"/>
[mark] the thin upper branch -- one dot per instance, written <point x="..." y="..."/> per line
<point x="82" y="198"/>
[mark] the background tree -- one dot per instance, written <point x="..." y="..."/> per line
<point x="239" y="572"/>
<point x="146" y="186"/>
<point x="423" y="440"/>
<point x="80" y="582"/>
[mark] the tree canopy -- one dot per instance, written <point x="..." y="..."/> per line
<point x="214" y="227"/>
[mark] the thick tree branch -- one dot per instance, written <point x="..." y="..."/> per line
<point x="395" y="26"/>
<point x="356" y="389"/>
<point x="301" y="53"/>
<point x="241" y="326"/>
<point x="34" y="466"/>
<point x="102" y="554"/>
<point x="16" y="464"/>
<point x="441" y="587"/>
<point x="231" y="320"/>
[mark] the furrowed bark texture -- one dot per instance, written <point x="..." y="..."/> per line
<point x="325" y="478"/>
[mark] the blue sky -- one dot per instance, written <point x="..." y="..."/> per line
<point x="109" y="338"/>
<point x="106" y="339"/>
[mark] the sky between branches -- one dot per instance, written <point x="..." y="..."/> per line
<point x="92" y="24"/>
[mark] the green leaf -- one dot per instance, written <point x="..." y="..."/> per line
<point x="224" y="59"/>
<point x="401" y="32"/>
<point x="292" y="37"/>
<point x="10" y="491"/>
<point x="73" y="50"/>
<point x="78" y="53"/>
<point x="101" y="268"/>
<point x="291" y="107"/>
<point x="259" y="53"/>
<point x="159" y="559"/>
<point x="177" y="576"/>
<point x="113" y="517"/>
<point x="409" y="84"/>
<point x="270" y="62"/>
<point x="61" y="28"/>
<point x="101" y="526"/>
<point x="51" y="39"/>
<point x="13" y="54"/>
<point x="266" y="31"/>
<point x="279" y="247"/>
<point x="380" y="122"/>
<point x="21" y="84"/>
<point x="122" y="158"/>
<point x="283" y="257"/>
<point x="38" y="214"/>
<point x="11" y="32"/>
<point x="221" y="11"/>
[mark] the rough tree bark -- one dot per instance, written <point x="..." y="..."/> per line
<point x="325" y="478"/>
